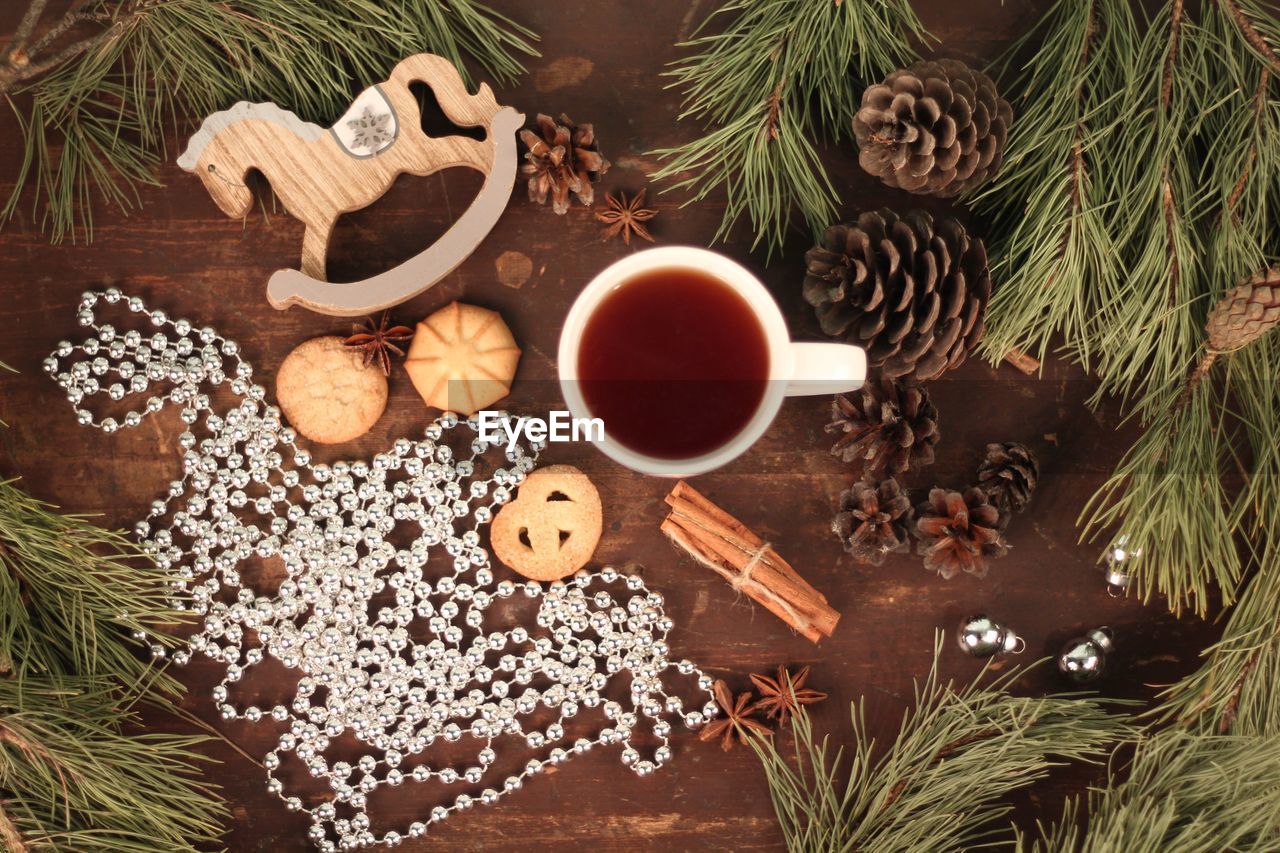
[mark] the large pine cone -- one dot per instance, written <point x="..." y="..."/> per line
<point x="958" y="532"/>
<point x="936" y="128"/>
<point x="887" y="425"/>
<point x="911" y="291"/>
<point x="874" y="520"/>
<point x="1008" y="475"/>
<point x="562" y="158"/>
<point x="1246" y="313"/>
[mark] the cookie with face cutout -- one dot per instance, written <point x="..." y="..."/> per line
<point x="552" y="527"/>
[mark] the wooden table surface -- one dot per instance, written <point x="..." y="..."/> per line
<point x="601" y="63"/>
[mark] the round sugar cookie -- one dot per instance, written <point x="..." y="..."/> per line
<point x="327" y="392"/>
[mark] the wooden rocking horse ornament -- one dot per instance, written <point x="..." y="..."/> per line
<point x="319" y="173"/>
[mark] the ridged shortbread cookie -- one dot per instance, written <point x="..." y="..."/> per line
<point x="462" y="358"/>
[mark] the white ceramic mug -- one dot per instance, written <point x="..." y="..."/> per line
<point x="794" y="368"/>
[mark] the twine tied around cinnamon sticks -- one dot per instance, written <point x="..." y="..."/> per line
<point x="720" y="542"/>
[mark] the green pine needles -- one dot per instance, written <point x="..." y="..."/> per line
<point x="75" y="780"/>
<point x="940" y="786"/>
<point x="101" y="86"/>
<point x="1141" y="183"/>
<point x="76" y="771"/>
<point x="1046" y="200"/>
<point x="70" y="592"/>
<point x="769" y="78"/>
<point x="1180" y="792"/>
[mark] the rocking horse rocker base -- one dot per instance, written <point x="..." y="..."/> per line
<point x="319" y="174"/>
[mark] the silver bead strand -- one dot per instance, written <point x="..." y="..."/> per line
<point x="248" y="490"/>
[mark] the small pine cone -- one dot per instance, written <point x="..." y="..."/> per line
<point x="958" y="532"/>
<point x="874" y="520"/>
<point x="911" y="291"/>
<point x="561" y="158"/>
<point x="936" y="128"/>
<point x="1008" y="475"/>
<point x="1246" y="313"/>
<point x="889" y="426"/>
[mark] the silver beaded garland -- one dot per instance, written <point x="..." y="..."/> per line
<point x="415" y="669"/>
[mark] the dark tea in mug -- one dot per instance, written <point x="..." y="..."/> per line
<point x="674" y="362"/>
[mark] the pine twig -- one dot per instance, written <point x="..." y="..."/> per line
<point x="1028" y="364"/>
<point x="1259" y="104"/>
<point x="37" y="753"/>
<point x="1046" y="205"/>
<point x="23" y="66"/>
<point x="1194" y="379"/>
<point x="1171" y="59"/>
<point x="10" y="838"/>
<point x="1170" y="227"/>
<point x="1251" y="34"/>
<point x="14" y="52"/>
<point x="1194" y="793"/>
<point x="72" y="19"/>
<point x="16" y="75"/>
<point x="76" y="781"/>
<point x="1232" y="706"/>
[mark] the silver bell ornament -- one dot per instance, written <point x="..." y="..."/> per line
<point x="1084" y="658"/>
<point x="980" y="636"/>
<point x="1118" y="564"/>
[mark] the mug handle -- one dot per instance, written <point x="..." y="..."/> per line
<point x="826" y="369"/>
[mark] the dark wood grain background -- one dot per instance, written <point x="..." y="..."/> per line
<point x="601" y="62"/>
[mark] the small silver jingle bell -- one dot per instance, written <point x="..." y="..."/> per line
<point x="980" y="636"/>
<point x="1117" y="563"/>
<point x="1117" y="582"/>
<point x="1085" y="658"/>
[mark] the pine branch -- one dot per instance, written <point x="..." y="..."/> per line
<point x="76" y="782"/>
<point x="1180" y="124"/>
<point x="72" y="593"/>
<point x="101" y="85"/>
<point x="1184" y="792"/>
<point x="1235" y="690"/>
<point x="779" y="74"/>
<point x="1047" y="205"/>
<point x="70" y="682"/>
<point x="1186" y="544"/>
<point x="940" y="785"/>
<point x="9" y="834"/>
<point x="1250" y="33"/>
<point x="1171" y="58"/>
<point x="1259" y="107"/>
<point x="1149" y="329"/>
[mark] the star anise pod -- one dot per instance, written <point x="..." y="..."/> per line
<point x="736" y="721"/>
<point x="378" y="341"/>
<point x="782" y="695"/>
<point x="626" y="217"/>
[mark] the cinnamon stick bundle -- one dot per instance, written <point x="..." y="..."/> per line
<point x="723" y="544"/>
